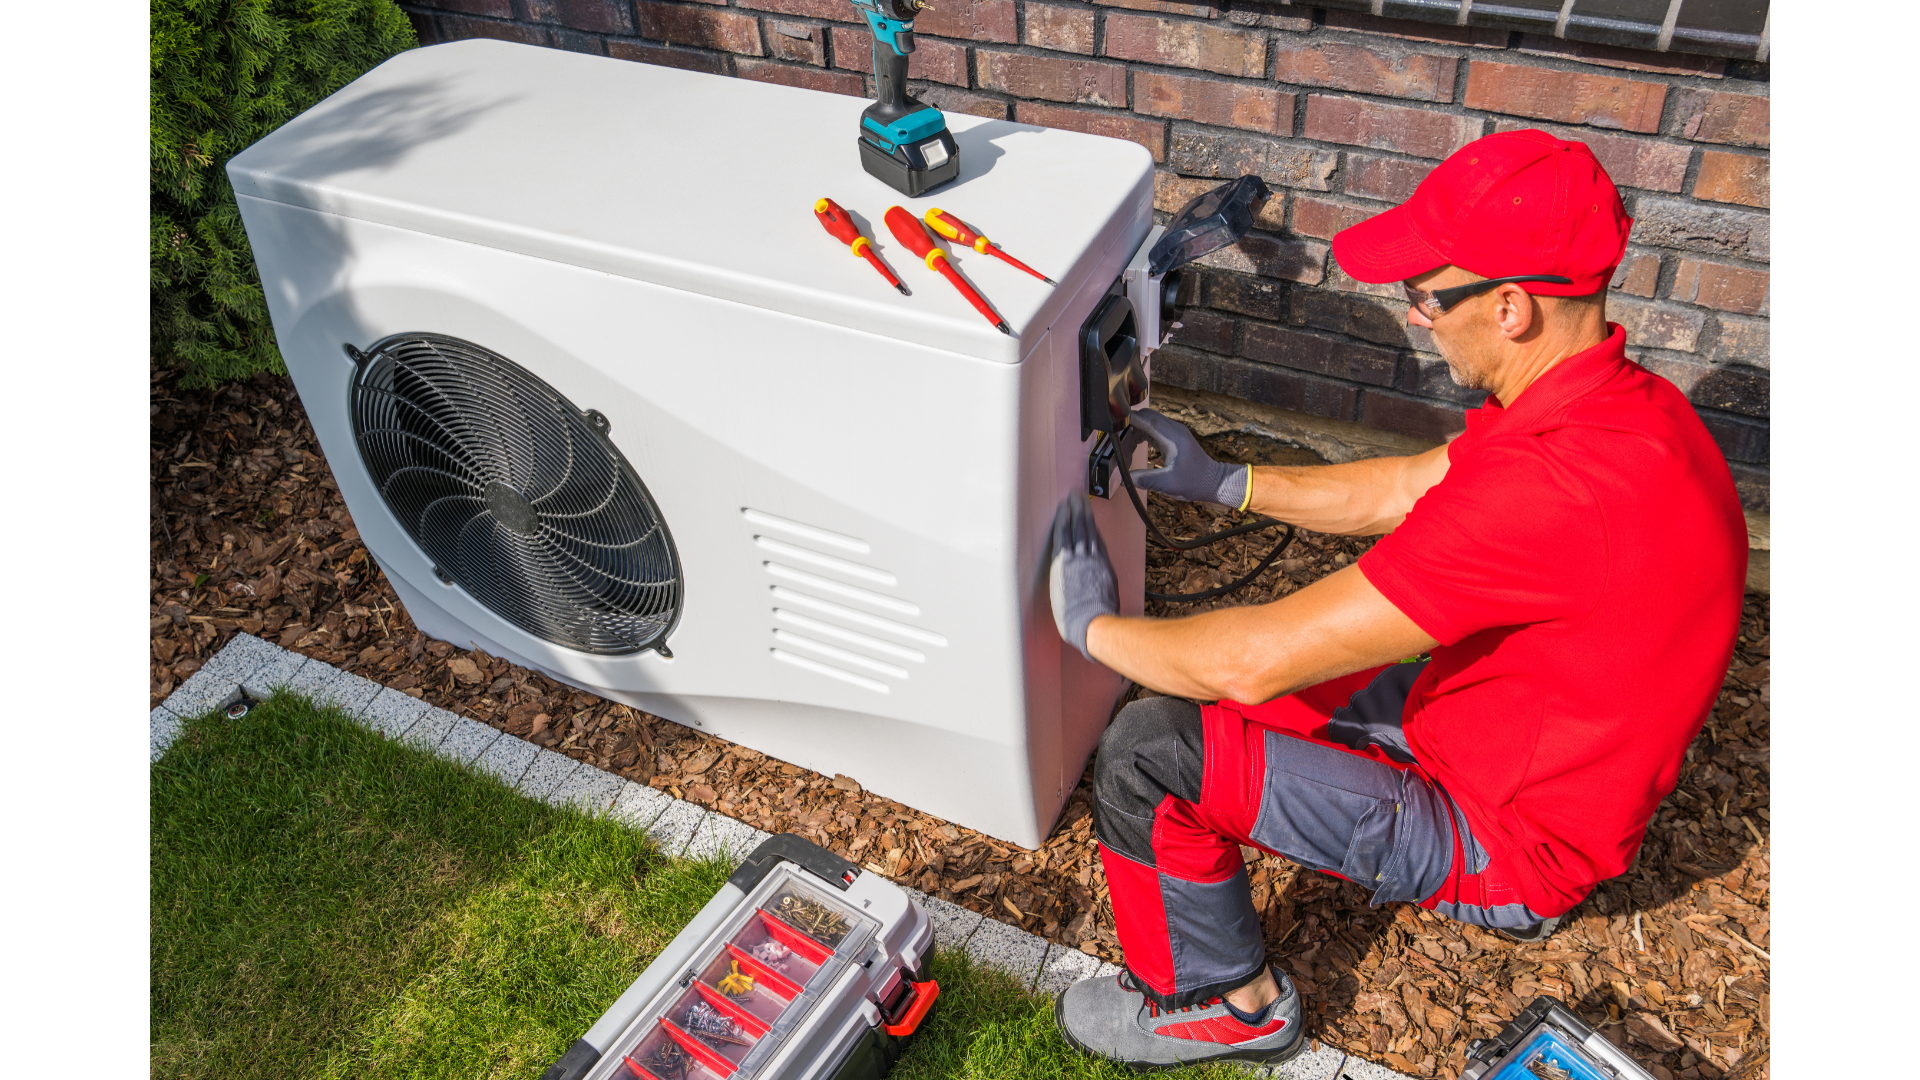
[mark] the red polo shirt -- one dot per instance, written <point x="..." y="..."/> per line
<point x="1582" y="565"/>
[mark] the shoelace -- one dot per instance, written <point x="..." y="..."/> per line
<point x="1155" y="1010"/>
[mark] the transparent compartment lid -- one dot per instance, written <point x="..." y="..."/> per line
<point x="749" y="985"/>
<point x="666" y="1053"/>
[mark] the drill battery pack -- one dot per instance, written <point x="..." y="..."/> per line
<point x="802" y="967"/>
<point x="912" y="168"/>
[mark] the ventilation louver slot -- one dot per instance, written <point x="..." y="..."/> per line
<point x="517" y="496"/>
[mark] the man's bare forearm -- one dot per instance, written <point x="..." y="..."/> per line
<point x="1338" y="625"/>
<point x="1356" y="498"/>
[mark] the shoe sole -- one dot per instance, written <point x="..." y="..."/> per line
<point x="1262" y="1057"/>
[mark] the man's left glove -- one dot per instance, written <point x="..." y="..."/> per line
<point x="1080" y="580"/>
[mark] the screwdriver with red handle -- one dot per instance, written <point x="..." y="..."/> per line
<point x="838" y="223"/>
<point x="956" y="230"/>
<point x="907" y="229"/>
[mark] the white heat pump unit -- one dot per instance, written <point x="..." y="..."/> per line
<point x="605" y="399"/>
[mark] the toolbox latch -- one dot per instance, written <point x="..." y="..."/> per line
<point x="919" y="999"/>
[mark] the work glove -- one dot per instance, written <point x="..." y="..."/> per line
<point x="1188" y="472"/>
<point x="1080" y="579"/>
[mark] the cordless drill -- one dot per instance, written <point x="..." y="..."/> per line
<point x="902" y="141"/>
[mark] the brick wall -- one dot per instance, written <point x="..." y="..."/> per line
<point x="1342" y="113"/>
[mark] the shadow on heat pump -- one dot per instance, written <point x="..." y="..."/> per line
<point x="979" y="148"/>
<point x="385" y="126"/>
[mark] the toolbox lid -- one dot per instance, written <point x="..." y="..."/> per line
<point x="698" y="182"/>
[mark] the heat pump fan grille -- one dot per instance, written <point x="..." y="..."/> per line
<point x="517" y="496"/>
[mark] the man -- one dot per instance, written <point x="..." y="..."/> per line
<point x="1573" y="565"/>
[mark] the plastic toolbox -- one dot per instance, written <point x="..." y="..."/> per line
<point x="803" y="965"/>
<point x="1546" y="1042"/>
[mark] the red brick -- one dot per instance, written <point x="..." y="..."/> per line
<point x="1692" y="226"/>
<point x="1181" y="43"/>
<point x="1172" y="192"/>
<point x="594" y="16"/>
<point x="832" y="82"/>
<point x="1630" y="160"/>
<point x="797" y="41"/>
<point x="1338" y="279"/>
<point x="1211" y="101"/>
<point x="1378" y="320"/>
<point x="1062" y="29"/>
<point x="1425" y="375"/>
<point x="1652" y="325"/>
<point x="460" y="28"/>
<point x="494" y="9"/>
<point x="1419" y="132"/>
<point x="577" y="41"/>
<point x="1741" y="390"/>
<point x="836" y="10"/>
<point x="1083" y="82"/>
<point x="1249" y="381"/>
<point x="1322" y="217"/>
<point x="1165" y="7"/>
<point x="1205" y="330"/>
<point x="1567" y="96"/>
<point x="678" y="24"/>
<point x="667" y="56"/>
<point x="1320" y="355"/>
<point x="1271" y="15"/>
<point x="1733" y="178"/>
<point x="1209" y="153"/>
<point x="1723" y="287"/>
<point x="1244" y="294"/>
<point x="1638" y="273"/>
<point x="935" y="61"/>
<point x="1387" y="179"/>
<point x="424" y="30"/>
<point x="1709" y="67"/>
<point x="1304" y="261"/>
<point x="1743" y="341"/>
<point x="1484" y="37"/>
<point x="1364" y="70"/>
<point x="1717" y="116"/>
<point x="947" y="99"/>
<point x="1430" y="420"/>
<point x="963" y="20"/>
<point x="1148" y="133"/>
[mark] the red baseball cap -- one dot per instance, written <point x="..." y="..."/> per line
<point x="1520" y="202"/>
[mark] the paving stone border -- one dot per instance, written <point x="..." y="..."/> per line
<point x="258" y="668"/>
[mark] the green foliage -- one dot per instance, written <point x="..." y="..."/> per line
<point x="224" y="73"/>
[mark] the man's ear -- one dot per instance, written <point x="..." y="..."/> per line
<point x="1514" y="311"/>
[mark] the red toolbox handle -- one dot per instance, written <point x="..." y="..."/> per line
<point x="924" y="995"/>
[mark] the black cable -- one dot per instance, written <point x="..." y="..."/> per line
<point x="1260" y="523"/>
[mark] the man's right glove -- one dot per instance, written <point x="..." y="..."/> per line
<point x="1188" y="472"/>
<point x="1080" y="580"/>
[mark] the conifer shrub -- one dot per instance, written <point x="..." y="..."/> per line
<point x="224" y="73"/>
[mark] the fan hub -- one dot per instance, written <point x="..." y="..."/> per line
<point x="511" y="509"/>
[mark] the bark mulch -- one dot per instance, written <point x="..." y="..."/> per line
<point x="250" y="533"/>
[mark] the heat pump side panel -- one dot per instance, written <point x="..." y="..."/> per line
<point x="838" y="499"/>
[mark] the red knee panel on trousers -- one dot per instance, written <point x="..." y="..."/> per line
<point x="1140" y="918"/>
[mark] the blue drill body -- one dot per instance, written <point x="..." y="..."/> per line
<point x="902" y="141"/>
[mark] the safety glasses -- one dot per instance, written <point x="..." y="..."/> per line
<point x="1434" y="304"/>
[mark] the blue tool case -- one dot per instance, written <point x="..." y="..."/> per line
<point x="1547" y="1042"/>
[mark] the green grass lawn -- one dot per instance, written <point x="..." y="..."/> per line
<point x="326" y="904"/>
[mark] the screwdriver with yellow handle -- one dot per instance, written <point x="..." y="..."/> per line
<point x="907" y="229"/>
<point x="956" y="230"/>
<point x="841" y="226"/>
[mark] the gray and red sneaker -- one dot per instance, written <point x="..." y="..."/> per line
<point x="1108" y="1016"/>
